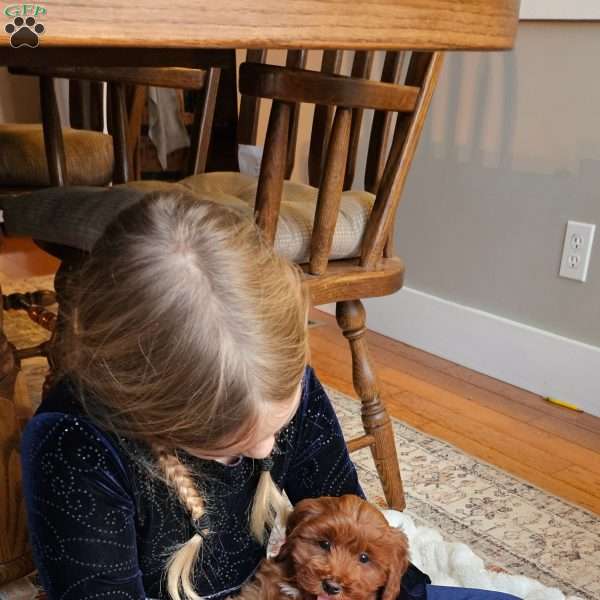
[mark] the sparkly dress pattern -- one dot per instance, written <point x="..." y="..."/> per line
<point x="101" y="524"/>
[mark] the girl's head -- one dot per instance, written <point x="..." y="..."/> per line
<point x="188" y="329"/>
<point x="188" y="332"/>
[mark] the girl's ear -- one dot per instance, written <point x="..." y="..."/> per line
<point x="398" y="563"/>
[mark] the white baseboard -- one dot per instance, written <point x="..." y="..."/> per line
<point x="530" y="358"/>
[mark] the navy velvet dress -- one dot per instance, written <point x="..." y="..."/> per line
<point x="102" y="524"/>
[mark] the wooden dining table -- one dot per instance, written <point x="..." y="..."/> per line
<point x="206" y="33"/>
<point x="368" y="24"/>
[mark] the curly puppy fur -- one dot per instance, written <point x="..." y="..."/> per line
<point x="335" y="549"/>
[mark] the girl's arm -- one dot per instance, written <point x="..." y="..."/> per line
<point x="320" y="464"/>
<point x="80" y="510"/>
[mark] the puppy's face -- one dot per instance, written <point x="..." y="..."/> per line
<point x="343" y="549"/>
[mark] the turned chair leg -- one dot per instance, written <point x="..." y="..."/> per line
<point x="376" y="420"/>
<point x="64" y="280"/>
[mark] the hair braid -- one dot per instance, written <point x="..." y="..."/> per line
<point x="180" y="566"/>
<point x="268" y="504"/>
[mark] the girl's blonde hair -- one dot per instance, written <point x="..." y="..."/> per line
<point x="186" y="326"/>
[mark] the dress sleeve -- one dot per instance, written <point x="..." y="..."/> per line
<point x="80" y="511"/>
<point x="320" y="464"/>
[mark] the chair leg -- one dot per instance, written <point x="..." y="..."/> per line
<point x="351" y="319"/>
<point x="64" y="279"/>
<point x="15" y="554"/>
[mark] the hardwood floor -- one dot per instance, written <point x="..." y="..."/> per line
<point x="552" y="447"/>
<point x="20" y="257"/>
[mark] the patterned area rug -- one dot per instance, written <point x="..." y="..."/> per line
<point x="510" y="524"/>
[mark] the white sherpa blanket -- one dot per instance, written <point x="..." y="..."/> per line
<point x="455" y="564"/>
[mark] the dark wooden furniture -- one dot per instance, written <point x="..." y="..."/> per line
<point x="125" y="129"/>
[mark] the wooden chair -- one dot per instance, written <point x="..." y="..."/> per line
<point x="343" y="261"/>
<point x="89" y="151"/>
<point x="125" y="129"/>
<point x="124" y="124"/>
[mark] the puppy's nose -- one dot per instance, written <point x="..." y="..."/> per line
<point x="331" y="587"/>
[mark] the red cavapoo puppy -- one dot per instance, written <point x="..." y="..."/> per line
<point x="335" y="549"/>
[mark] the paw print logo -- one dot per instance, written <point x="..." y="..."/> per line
<point x="24" y="32"/>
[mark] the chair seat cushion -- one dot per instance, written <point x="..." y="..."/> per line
<point x="296" y="215"/>
<point x="72" y="217"/>
<point x="89" y="156"/>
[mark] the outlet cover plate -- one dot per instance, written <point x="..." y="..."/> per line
<point x="577" y="250"/>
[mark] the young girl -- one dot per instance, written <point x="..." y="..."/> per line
<point x="154" y="467"/>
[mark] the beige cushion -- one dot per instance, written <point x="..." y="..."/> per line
<point x="89" y="156"/>
<point x="297" y="212"/>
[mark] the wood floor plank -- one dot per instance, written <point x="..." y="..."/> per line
<point x="580" y="477"/>
<point x="341" y="367"/>
<point x="483" y="433"/>
<point x="409" y="417"/>
<point x="583" y="436"/>
<point x="550" y="410"/>
<point x="512" y="428"/>
<point x="20" y="257"/>
<point x="505" y="397"/>
<point x="515" y="467"/>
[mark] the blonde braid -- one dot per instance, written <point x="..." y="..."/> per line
<point x="180" y="566"/>
<point x="268" y="504"/>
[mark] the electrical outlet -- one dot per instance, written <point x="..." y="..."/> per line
<point x="577" y="250"/>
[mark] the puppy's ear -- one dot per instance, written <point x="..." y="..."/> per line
<point x="304" y="511"/>
<point x="398" y="563"/>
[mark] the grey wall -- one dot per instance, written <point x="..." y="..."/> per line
<point x="511" y="151"/>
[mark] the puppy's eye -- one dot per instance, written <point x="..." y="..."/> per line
<point x="325" y="544"/>
<point x="364" y="558"/>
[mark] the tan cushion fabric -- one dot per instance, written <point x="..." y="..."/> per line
<point x="297" y="212"/>
<point x="89" y="156"/>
